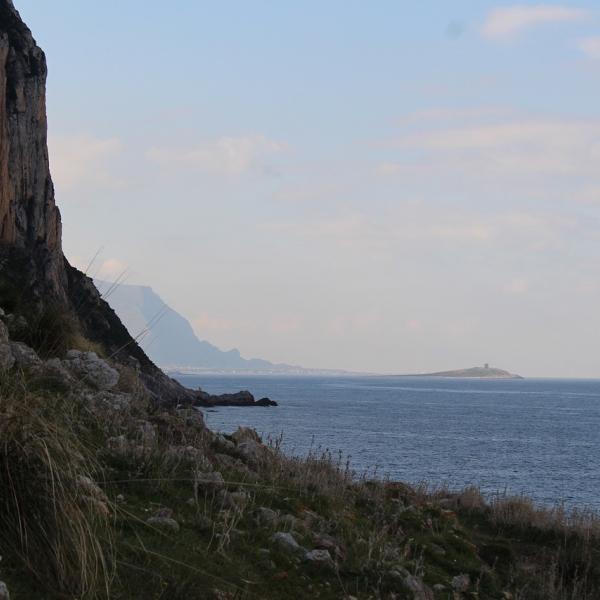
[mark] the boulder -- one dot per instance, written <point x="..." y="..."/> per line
<point x="7" y="360"/>
<point x="250" y="450"/>
<point x="212" y="480"/>
<point x="91" y="369"/>
<point x="25" y="357"/>
<point x="320" y="559"/>
<point x="323" y="541"/>
<point x="233" y="500"/>
<point x="265" y="516"/>
<point x="55" y="367"/>
<point x="164" y="523"/>
<point x="265" y="402"/>
<point x="223" y="443"/>
<point x="461" y="583"/>
<point x="291" y="523"/>
<point x="163" y="519"/>
<point x="186" y="453"/>
<point x="286" y="542"/>
<point x="242" y="434"/>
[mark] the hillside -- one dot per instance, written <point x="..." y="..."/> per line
<point x="168" y="338"/>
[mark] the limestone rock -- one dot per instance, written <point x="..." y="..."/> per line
<point x="7" y="360"/>
<point x="213" y="480"/>
<point x="320" y="558"/>
<point x="461" y="583"/>
<point x="54" y="366"/>
<point x="323" y="541"/>
<point x="233" y="500"/>
<point x="31" y="258"/>
<point x="165" y="523"/>
<point x="163" y="519"/>
<point x="265" y="516"/>
<point x="91" y="369"/>
<point x="242" y="434"/>
<point x="25" y="357"/>
<point x="291" y="523"/>
<point x="28" y="214"/>
<point x="287" y="542"/>
<point x="223" y="443"/>
<point x="251" y="452"/>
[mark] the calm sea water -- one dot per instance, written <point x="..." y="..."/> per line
<point x="539" y="437"/>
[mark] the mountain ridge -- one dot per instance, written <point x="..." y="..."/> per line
<point x="169" y="338"/>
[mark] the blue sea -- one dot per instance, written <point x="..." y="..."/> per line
<point x="539" y="437"/>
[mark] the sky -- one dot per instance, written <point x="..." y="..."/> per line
<point x="373" y="186"/>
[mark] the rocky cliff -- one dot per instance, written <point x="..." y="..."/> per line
<point x="34" y="274"/>
<point x="29" y="218"/>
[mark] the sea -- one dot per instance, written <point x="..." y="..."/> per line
<point x="533" y="437"/>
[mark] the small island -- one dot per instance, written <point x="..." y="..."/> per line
<point x="485" y="372"/>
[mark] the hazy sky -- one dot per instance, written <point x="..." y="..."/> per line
<point x="381" y="186"/>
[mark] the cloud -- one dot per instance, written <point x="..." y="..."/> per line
<point x="515" y="147"/>
<point x="111" y="269"/>
<point x="428" y="229"/>
<point x="231" y="156"/>
<point x="77" y="160"/>
<point x="506" y="21"/>
<point x="590" y="47"/>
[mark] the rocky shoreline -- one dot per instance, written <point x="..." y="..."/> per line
<point x="243" y="398"/>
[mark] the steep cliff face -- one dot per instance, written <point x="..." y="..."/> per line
<point x="33" y="271"/>
<point x="29" y="218"/>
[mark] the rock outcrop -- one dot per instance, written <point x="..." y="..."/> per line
<point x="29" y="218"/>
<point x="243" y="398"/>
<point x="34" y="274"/>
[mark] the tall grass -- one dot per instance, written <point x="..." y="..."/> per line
<point x="51" y="516"/>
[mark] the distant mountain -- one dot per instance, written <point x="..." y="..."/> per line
<point x="485" y="372"/>
<point x="168" y="338"/>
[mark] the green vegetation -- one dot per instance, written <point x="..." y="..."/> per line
<point x="105" y="495"/>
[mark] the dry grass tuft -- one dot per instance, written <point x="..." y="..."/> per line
<point x="52" y="516"/>
<point x="521" y="511"/>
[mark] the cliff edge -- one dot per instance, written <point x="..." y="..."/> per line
<point x="35" y="277"/>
